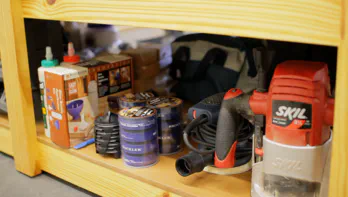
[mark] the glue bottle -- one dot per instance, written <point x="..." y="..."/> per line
<point x="71" y="58"/>
<point x="46" y="64"/>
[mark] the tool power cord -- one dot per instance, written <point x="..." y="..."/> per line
<point x="204" y="135"/>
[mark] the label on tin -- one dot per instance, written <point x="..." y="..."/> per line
<point x="140" y="148"/>
<point x="141" y="96"/>
<point x="160" y="102"/>
<point x="169" y="144"/>
<point x="174" y="125"/>
<point x="137" y="112"/>
<point x="142" y="125"/>
<point x="140" y="160"/>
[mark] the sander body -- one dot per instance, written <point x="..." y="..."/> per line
<point x="292" y="130"/>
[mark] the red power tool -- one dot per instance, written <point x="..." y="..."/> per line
<point x="290" y="158"/>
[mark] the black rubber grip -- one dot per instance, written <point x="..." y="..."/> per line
<point x="227" y="128"/>
<point x="230" y="122"/>
<point x="209" y="107"/>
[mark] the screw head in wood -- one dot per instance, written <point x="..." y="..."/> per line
<point x="51" y="2"/>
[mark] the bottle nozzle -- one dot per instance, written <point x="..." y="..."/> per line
<point x="71" y="50"/>
<point x="71" y="57"/>
<point x="49" y="55"/>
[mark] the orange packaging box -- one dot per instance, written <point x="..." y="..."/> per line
<point x="110" y="75"/>
<point x="69" y="108"/>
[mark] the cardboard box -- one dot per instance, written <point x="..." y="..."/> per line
<point x="165" y="52"/>
<point x="107" y="75"/>
<point x="69" y="108"/>
<point x="161" y="84"/>
<point x="146" y="62"/>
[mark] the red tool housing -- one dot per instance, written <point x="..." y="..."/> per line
<point x="298" y="107"/>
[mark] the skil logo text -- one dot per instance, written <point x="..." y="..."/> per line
<point x="291" y="113"/>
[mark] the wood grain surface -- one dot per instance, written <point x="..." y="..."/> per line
<point x="162" y="175"/>
<point x="93" y="177"/>
<point x="5" y="135"/>
<point x="6" y="141"/>
<point x="339" y="161"/>
<point x="18" y="87"/>
<point x="310" y="21"/>
<point x="4" y="121"/>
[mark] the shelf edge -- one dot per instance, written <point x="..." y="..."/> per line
<point x="6" y="141"/>
<point x="92" y="177"/>
<point x="314" y="21"/>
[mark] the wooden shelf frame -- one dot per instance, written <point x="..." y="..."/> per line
<point x="310" y="21"/>
<point x="322" y="22"/>
<point x="5" y="135"/>
<point x="159" y="180"/>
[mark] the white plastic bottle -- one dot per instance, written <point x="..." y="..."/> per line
<point x="46" y="64"/>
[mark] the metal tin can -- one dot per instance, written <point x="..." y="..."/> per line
<point x="169" y="120"/>
<point x="140" y="160"/>
<point x="140" y="147"/>
<point x="132" y="100"/>
<point x="170" y="140"/>
<point x="139" y="144"/>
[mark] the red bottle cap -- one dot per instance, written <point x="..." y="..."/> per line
<point x="71" y="57"/>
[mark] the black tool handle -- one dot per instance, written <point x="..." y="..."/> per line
<point x="209" y="107"/>
<point x="234" y="105"/>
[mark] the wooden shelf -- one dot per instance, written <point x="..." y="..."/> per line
<point x="163" y="175"/>
<point x="5" y="135"/>
<point x="311" y="21"/>
<point x="4" y="120"/>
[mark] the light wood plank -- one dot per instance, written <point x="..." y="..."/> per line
<point x="17" y="87"/>
<point x="310" y="21"/>
<point x="5" y="135"/>
<point x="5" y="141"/>
<point x="339" y="161"/>
<point x="93" y="177"/>
<point x="4" y="120"/>
<point x="62" y="162"/>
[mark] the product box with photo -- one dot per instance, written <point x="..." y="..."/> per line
<point x="69" y="109"/>
<point x="107" y="75"/>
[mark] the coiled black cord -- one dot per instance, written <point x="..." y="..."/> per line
<point x="204" y="135"/>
